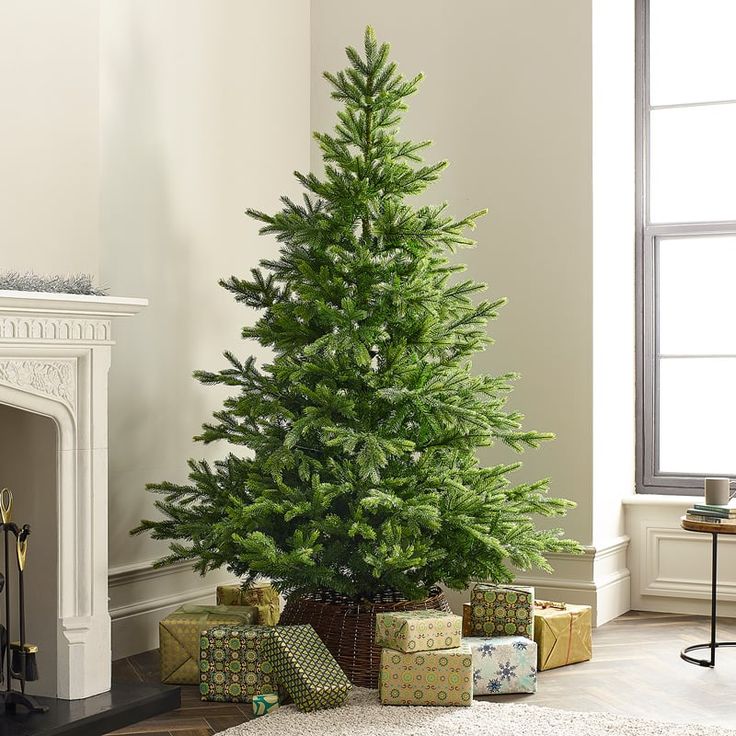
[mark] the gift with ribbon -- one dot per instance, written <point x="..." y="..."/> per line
<point x="262" y="596"/>
<point x="418" y="631"/>
<point x="563" y="633"/>
<point x="179" y="635"/>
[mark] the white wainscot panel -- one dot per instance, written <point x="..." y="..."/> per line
<point x="678" y="564"/>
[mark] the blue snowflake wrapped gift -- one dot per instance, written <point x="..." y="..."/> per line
<point x="503" y="664"/>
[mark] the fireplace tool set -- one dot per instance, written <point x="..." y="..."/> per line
<point x="17" y="658"/>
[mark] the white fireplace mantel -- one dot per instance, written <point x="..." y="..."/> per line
<point x="55" y="354"/>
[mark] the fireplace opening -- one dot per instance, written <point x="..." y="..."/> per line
<point x="28" y="467"/>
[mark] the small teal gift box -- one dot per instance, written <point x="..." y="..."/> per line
<point x="265" y="703"/>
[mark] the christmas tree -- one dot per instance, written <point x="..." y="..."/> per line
<point x="362" y="474"/>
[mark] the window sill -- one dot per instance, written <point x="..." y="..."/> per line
<point x="653" y="499"/>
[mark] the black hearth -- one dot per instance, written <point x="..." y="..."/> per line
<point x="126" y="703"/>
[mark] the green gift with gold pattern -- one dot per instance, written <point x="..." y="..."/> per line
<point x="233" y="664"/>
<point x="437" y="677"/>
<point x="179" y="636"/>
<point x="418" y="631"/>
<point x="501" y="610"/>
<point x="305" y="668"/>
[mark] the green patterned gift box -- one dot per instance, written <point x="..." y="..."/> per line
<point x="418" y="631"/>
<point x="501" y="610"/>
<point x="438" y="677"/>
<point x="179" y="635"/>
<point x="233" y="666"/>
<point x="305" y="668"/>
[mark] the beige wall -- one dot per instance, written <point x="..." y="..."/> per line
<point x="135" y="134"/>
<point x="141" y="131"/>
<point x="49" y="160"/>
<point x="204" y="112"/>
<point x="507" y="99"/>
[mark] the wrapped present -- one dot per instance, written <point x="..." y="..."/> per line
<point x="563" y="633"/>
<point x="233" y="666"/>
<point x="178" y="636"/>
<point x="501" y="610"/>
<point x="305" y="668"/>
<point x="503" y="664"/>
<point x="263" y="597"/>
<point x="265" y="703"/>
<point x="437" y="677"/>
<point x="418" y="631"/>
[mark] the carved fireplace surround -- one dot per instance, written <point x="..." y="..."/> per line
<point x="54" y="358"/>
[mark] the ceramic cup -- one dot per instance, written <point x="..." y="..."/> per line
<point x="717" y="491"/>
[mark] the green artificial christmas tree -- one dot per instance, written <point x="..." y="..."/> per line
<point x="363" y="475"/>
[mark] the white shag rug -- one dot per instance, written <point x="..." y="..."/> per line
<point x="363" y="715"/>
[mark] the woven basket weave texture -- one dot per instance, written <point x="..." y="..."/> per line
<point x="348" y="627"/>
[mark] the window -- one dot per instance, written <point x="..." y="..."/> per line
<point x="686" y="243"/>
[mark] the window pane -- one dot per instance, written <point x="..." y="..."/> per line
<point x="697" y="307"/>
<point x="692" y="53"/>
<point x="697" y="407"/>
<point x="693" y="164"/>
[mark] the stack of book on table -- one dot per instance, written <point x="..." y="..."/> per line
<point x="712" y="513"/>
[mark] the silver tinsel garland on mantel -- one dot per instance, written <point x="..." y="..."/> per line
<point x="75" y="283"/>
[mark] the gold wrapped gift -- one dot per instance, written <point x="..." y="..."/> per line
<point x="179" y="635"/>
<point x="563" y="633"/>
<point x="467" y="625"/>
<point x="263" y="597"/>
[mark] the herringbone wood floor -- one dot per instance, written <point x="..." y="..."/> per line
<point x="636" y="670"/>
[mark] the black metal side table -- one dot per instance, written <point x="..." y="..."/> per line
<point x="714" y="530"/>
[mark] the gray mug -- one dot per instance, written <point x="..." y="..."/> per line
<point x="717" y="491"/>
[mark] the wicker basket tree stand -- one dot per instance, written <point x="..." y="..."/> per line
<point x="348" y="627"/>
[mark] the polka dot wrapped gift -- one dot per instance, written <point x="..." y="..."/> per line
<point x="500" y="610"/>
<point x="233" y="666"/>
<point x="418" y="631"/>
<point x="438" y="677"/>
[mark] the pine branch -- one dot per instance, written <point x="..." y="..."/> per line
<point x="359" y="471"/>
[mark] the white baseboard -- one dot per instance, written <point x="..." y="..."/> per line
<point x="598" y="578"/>
<point x="140" y="596"/>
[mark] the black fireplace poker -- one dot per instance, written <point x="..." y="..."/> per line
<point x="19" y="657"/>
